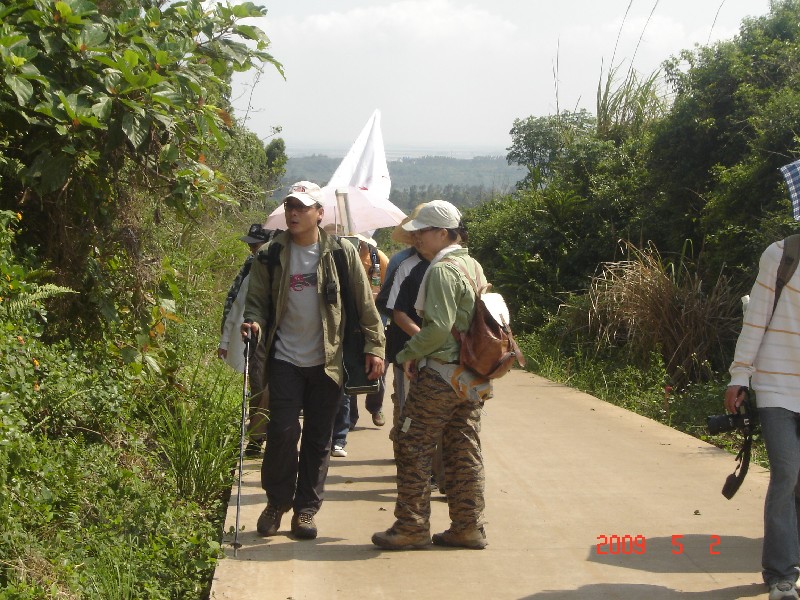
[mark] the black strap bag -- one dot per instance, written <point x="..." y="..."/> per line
<point x="354" y="357"/>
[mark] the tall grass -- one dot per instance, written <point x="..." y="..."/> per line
<point x="198" y="433"/>
<point x="650" y="304"/>
<point x="625" y="108"/>
<point x="113" y="573"/>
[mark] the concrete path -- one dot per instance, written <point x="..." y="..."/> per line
<point x="564" y="472"/>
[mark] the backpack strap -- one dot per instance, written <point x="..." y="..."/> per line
<point x="382" y="299"/>
<point x="787" y="266"/>
<point x="340" y="260"/>
<point x="458" y="335"/>
<point x="271" y="258"/>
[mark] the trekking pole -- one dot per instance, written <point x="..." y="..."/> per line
<point x="243" y="431"/>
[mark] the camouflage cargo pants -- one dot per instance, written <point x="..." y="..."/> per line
<point x="432" y="409"/>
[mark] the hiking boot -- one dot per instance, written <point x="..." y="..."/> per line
<point x="269" y="521"/>
<point x="782" y="589"/>
<point x="303" y="526"/>
<point x="378" y="418"/>
<point x="474" y="539"/>
<point x="338" y="451"/>
<point x="392" y="540"/>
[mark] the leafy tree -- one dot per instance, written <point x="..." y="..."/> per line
<point x="734" y="121"/>
<point x="253" y="170"/>
<point x="541" y="144"/>
<point x="96" y="106"/>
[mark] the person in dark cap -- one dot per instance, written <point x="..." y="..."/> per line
<point x="231" y="346"/>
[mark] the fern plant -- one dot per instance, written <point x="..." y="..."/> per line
<point x="20" y="305"/>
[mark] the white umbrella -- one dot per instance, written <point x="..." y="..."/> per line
<point x="364" y="211"/>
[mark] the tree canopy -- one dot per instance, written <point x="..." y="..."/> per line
<point x="100" y="108"/>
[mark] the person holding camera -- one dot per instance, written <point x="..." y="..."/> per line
<point x="295" y="304"/>
<point x="768" y="359"/>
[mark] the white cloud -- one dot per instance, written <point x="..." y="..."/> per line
<point x="448" y="72"/>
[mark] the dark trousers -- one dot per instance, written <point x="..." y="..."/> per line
<point x="342" y="423"/>
<point x="292" y="478"/>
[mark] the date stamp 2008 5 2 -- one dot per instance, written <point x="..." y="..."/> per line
<point x="630" y="544"/>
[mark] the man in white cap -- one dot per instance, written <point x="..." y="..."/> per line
<point x="295" y="303"/>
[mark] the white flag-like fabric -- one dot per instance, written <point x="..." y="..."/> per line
<point x="364" y="175"/>
<point x="365" y="166"/>
<point x="791" y="173"/>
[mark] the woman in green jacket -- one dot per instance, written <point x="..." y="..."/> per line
<point x="433" y="407"/>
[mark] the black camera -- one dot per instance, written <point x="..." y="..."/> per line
<point x="742" y="420"/>
<point x="331" y="293"/>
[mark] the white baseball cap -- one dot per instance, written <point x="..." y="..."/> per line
<point x="307" y="192"/>
<point x="436" y="213"/>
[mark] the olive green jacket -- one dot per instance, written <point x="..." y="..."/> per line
<point x="262" y="289"/>
<point x="449" y="300"/>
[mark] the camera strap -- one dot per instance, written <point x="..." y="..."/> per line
<point x="787" y="266"/>
<point x="734" y="480"/>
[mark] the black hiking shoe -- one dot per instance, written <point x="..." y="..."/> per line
<point x="303" y="526"/>
<point x="270" y="520"/>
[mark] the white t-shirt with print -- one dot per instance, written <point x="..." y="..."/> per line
<point x="299" y="334"/>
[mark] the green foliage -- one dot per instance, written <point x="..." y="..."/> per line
<point x="732" y="125"/>
<point x="543" y="144"/>
<point x="88" y="514"/>
<point x="253" y="170"/>
<point x="200" y="440"/>
<point x="93" y="502"/>
<point x="96" y="107"/>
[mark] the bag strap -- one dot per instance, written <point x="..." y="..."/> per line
<point x="461" y="268"/>
<point x="271" y="259"/>
<point x="787" y="266"/>
<point x="458" y="335"/>
<point x="382" y="298"/>
<point x="348" y="301"/>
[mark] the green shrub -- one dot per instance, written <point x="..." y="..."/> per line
<point x="197" y="434"/>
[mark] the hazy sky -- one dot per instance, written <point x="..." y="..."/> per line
<point x="453" y="75"/>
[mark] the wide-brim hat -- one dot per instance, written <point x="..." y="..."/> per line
<point x="402" y="236"/>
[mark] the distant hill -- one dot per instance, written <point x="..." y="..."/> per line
<point x="465" y="182"/>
